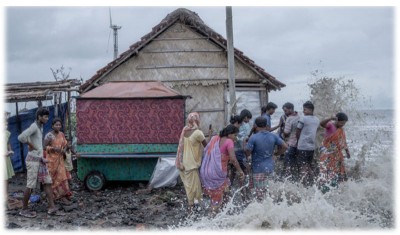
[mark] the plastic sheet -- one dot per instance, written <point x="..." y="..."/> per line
<point x="165" y="173"/>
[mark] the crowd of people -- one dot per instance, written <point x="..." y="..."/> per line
<point x="248" y="154"/>
<point x="208" y="166"/>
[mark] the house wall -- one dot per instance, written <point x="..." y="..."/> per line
<point x="192" y="65"/>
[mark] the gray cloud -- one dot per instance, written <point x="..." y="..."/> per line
<point x="289" y="42"/>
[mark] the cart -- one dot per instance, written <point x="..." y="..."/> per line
<point x="123" y="128"/>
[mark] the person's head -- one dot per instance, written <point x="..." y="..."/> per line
<point x="56" y="124"/>
<point x="308" y="108"/>
<point x="236" y="120"/>
<point x="230" y="132"/>
<point x="42" y="115"/>
<point x="260" y="123"/>
<point x="245" y="115"/>
<point x="270" y="108"/>
<point x="69" y="143"/>
<point x="288" y="108"/>
<point x="193" y="120"/>
<point x="341" y="119"/>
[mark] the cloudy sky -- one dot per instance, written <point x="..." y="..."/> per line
<point x="288" y="42"/>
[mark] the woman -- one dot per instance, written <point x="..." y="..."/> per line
<point x="237" y="121"/>
<point x="214" y="169"/>
<point x="9" y="168"/>
<point x="188" y="158"/>
<point x="331" y="163"/>
<point x="55" y="145"/>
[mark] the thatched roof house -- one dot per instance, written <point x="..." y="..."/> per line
<point x="190" y="57"/>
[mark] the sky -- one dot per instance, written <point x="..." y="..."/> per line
<point x="290" y="43"/>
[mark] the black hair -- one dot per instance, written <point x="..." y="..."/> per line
<point x="308" y="105"/>
<point x="236" y="118"/>
<point x="260" y="122"/>
<point x="342" y="117"/>
<point x="41" y="112"/>
<point x="288" y="105"/>
<point x="55" y="120"/>
<point x="269" y="106"/>
<point x="229" y="129"/>
<point x="245" y="113"/>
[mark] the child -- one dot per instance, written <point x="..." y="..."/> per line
<point x="68" y="161"/>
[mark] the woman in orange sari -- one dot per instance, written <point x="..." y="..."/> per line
<point x="55" y="144"/>
<point x="331" y="163"/>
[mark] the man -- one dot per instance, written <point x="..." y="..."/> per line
<point x="242" y="122"/>
<point x="261" y="149"/>
<point x="244" y="133"/>
<point x="266" y="112"/>
<point x="280" y="166"/>
<point x="305" y="134"/>
<point x="35" y="164"/>
<point x="291" y="167"/>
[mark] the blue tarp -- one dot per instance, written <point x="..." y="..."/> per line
<point x="26" y="119"/>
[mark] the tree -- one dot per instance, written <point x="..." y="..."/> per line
<point x="60" y="74"/>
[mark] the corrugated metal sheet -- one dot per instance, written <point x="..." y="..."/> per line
<point x="131" y="89"/>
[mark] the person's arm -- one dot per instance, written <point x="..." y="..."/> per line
<point x="281" y="148"/>
<point x="234" y="161"/>
<point x="300" y="126"/>
<point x="274" y="128"/>
<point x="72" y="151"/>
<point x="24" y="137"/>
<point x="201" y="138"/>
<point x="248" y="149"/>
<point x="298" y="132"/>
<point x="347" y="152"/>
<point x="48" y="142"/>
<point x="324" y="122"/>
<point x="204" y="143"/>
<point x="10" y="152"/>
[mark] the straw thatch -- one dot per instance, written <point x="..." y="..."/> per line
<point x="35" y="91"/>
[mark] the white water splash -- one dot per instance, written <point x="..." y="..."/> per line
<point x="364" y="202"/>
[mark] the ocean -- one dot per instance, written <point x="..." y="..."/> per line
<point x="365" y="202"/>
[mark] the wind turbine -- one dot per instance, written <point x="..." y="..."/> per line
<point x="115" y="29"/>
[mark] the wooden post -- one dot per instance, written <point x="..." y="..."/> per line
<point x="69" y="116"/>
<point x="231" y="62"/>
<point x="21" y="146"/>
<point x="55" y="104"/>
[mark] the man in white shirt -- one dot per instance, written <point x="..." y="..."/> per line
<point x="306" y="133"/>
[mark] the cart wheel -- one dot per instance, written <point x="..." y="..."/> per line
<point x="95" y="181"/>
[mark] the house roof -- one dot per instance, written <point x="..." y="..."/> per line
<point x="192" y="20"/>
<point x="35" y="91"/>
<point x="132" y="89"/>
